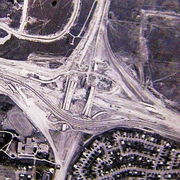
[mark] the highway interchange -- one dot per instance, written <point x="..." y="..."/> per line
<point x="137" y="108"/>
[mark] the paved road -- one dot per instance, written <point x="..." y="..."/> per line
<point x="39" y="38"/>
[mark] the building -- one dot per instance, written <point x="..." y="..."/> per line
<point x="28" y="148"/>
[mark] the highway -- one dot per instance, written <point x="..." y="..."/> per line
<point x="95" y="127"/>
<point x="89" y="124"/>
<point x="129" y="104"/>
